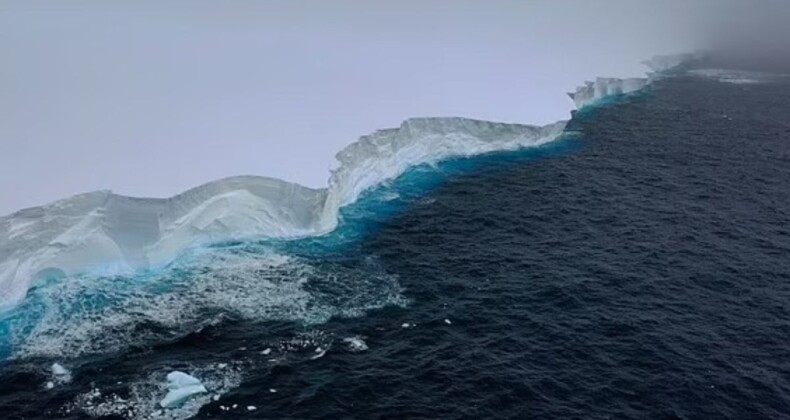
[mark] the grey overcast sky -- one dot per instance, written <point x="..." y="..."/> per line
<point x="149" y="98"/>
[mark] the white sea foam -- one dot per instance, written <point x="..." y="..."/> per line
<point x="113" y="234"/>
<point x="146" y="393"/>
<point x="79" y="316"/>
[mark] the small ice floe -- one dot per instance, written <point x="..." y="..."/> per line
<point x="251" y="408"/>
<point x="272" y="390"/>
<point x="59" y="370"/>
<point x="60" y="375"/>
<point x="319" y="353"/>
<point x="50" y="385"/>
<point x="266" y="352"/>
<point x="182" y="387"/>
<point x="448" y="322"/>
<point x="406" y="325"/>
<point x="356" y="344"/>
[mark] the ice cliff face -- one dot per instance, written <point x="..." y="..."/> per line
<point x="604" y="87"/>
<point x="110" y="232"/>
<point x="113" y="233"/>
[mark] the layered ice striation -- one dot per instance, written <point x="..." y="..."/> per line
<point x="110" y="233"/>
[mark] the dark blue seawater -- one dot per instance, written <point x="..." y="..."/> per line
<point x="637" y="269"/>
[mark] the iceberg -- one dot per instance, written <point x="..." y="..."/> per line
<point x="105" y="232"/>
<point x="118" y="234"/>
<point x="593" y="92"/>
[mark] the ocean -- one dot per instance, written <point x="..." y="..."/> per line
<point x="637" y="267"/>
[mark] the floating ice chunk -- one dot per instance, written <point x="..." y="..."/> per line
<point x="266" y="352"/>
<point x="272" y="390"/>
<point x="405" y="325"/>
<point x="319" y="353"/>
<point x="182" y="387"/>
<point x="447" y="321"/>
<point x="177" y="379"/>
<point x="50" y="385"/>
<point x="251" y="408"/>
<point x="59" y="370"/>
<point x="356" y="344"/>
<point x="176" y="397"/>
<point x="60" y="374"/>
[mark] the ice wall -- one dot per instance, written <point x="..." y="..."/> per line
<point x="113" y="233"/>
<point x="604" y="87"/>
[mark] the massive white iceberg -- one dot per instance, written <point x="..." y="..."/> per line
<point x="105" y="231"/>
